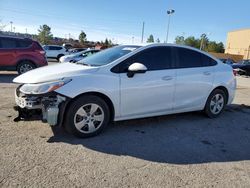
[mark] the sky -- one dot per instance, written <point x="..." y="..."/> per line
<point x="121" y="20"/>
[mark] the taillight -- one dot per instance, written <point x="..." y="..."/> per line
<point x="234" y="72"/>
<point x="41" y="52"/>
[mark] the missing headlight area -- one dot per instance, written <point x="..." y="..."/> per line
<point x="38" y="107"/>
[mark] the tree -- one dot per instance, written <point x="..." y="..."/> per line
<point x="215" y="47"/>
<point x="210" y="46"/>
<point x="82" y="37"/>
<point x="106" y="42"/>
<point x="150" y="39"/>
<point x="192" y="41"/>
<point x="158" y="40"/>
<point x="179" y="40"/>
<point x="44" y="34"/>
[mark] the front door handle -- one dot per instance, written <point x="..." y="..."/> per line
<point x="167" y="78"/>
<point x="207" y="73"/>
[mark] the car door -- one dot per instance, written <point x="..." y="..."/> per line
<point x="52" y="51"/>
<point x="194" y="79"/>
<point x="8" y="49"/>
<point x="150" y="92"/>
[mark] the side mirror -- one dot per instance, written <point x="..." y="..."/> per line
<point x="136" y="68"/>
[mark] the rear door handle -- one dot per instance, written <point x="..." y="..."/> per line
<point x="167" y="78"/>
<point x="207" y="73"/>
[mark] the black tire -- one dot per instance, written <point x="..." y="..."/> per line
<point x="72" y="116"/>
<point x="59" y="56"/>
<point x="209" y="108"/>
<point x="25" y="66"/>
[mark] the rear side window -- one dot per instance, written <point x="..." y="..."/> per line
<point x="8" y="43"/>
<point x="208" y="61"/>
<point x="24" y="43"/>
<point x="155" y="58"/>
<point x="190" y="59"/>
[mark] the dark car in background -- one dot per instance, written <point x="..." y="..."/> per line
<point x="20" y="54"/>
<point x="228" y="61"/>
<point x="242" y="67"/>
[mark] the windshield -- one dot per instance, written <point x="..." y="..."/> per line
<point x="107" y="56"/>
<point x="246" y="62"/>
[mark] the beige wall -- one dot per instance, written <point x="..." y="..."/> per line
<point x="238" y="43"/>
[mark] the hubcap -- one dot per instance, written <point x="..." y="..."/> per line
<point x="25" y="68"/>
<point x="217" y="104"/>
<point x="89" y="118"/>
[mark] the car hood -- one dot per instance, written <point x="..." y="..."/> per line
<point x="54" y="72"/>
<point x="70" y="56"/>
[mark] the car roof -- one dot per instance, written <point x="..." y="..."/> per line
<point x="14" y="37"/>
<point x="147" y="45"/>
<point x="53" y="45"/>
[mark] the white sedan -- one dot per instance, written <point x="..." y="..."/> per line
<point x="126" y="82"/>
<point x="77" y="56"/>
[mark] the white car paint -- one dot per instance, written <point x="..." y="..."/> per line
<point x="54" y="53"/>
<point x="149" y="94"/>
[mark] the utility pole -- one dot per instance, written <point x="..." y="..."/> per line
<point x="26" y="31"/>
<point x="14" y="29"/>
<point x="248" y="52"/>
<point x="202" y="40"/>
<point x="142" y="34"/>
<point x="11" y="26"/>
<point x="169" y="12"/>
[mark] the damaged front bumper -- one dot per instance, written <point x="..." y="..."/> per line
<point x="47" y="107"/>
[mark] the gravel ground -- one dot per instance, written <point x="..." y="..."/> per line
<point x="170" y="151"/>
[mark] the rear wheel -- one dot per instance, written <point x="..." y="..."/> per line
<point x="87" y="116"/>
<point x="59" y="56"/>
<point x="216" y="103"/>
<point x="25" y="66"/>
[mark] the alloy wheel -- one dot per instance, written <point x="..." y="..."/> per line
<point x="89" y="118"/>
<point x="217" y="103"/>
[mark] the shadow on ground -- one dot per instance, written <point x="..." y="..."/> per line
<point x="7" y="77"/>
<point x="187" y="138"/>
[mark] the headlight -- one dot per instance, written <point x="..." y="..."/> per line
<point x="42" y="88"/>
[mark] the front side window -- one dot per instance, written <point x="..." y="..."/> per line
<point x="155" y="58"/>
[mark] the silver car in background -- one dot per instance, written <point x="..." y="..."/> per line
<point x="78" y="56"/>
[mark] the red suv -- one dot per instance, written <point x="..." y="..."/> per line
<point x="20" y="54"/>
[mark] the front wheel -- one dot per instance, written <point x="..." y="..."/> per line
<point x="216" y="103"/>
<point x="87" y="116"/>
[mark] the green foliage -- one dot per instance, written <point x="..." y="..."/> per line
<point x="210" y="46"/>
<point x="158" y="40"/>
<point x="150" y="39"/>
<point x="44" y="34"/>
<point x="108" y="43"/>
<point x="180" y="40"/>
<point x="82" y="37"/>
